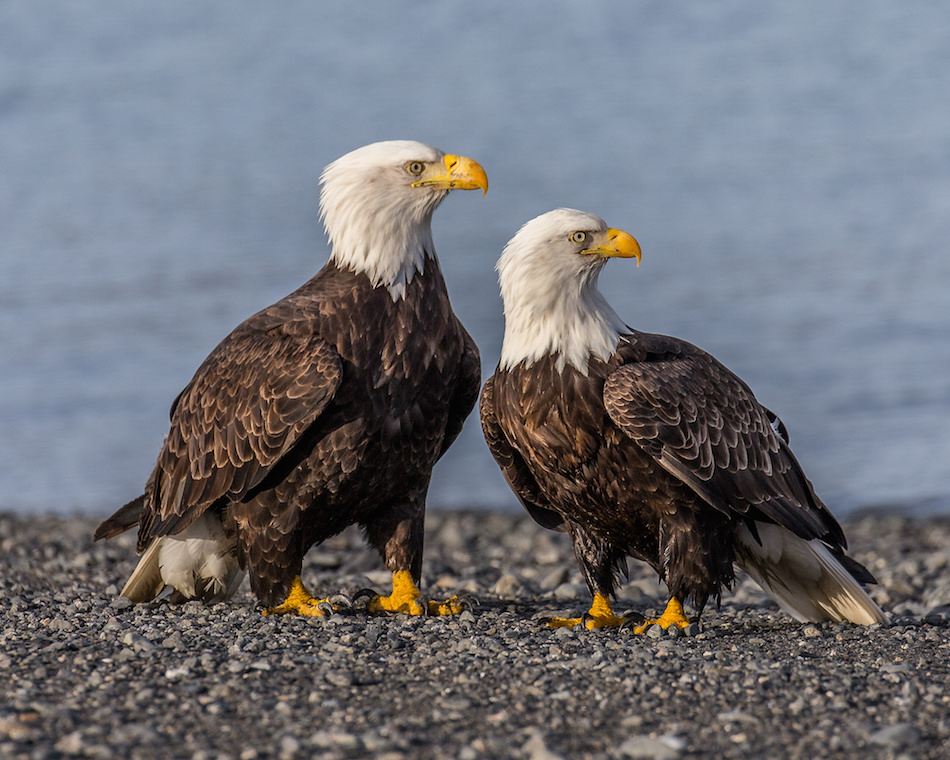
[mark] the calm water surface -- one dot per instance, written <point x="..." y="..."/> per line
<point x="786" y="170"/>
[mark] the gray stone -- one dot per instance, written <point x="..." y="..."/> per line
<point x="535" y="747"/>
<point x="339" y="678"/>
<point x="897" y="735"/>
<point x="649" y="748"/>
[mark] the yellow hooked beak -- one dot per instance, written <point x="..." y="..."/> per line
<point x="616" y="244"/>
<point x="460" y="173"/>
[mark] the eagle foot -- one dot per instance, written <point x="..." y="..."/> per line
<point x="299" y="601"/>
<point x="454" y="605"/>
<point x="408" y="600"/>
<point x="672" y="615"/>
<point x="600" y="615"/>
<point x="588" y="621"/>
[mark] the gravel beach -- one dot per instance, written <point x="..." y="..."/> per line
<point x="84" y="674"/>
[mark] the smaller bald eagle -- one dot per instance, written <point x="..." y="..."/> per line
<point x="641" y="445"/>
<point x="327" y="409"/>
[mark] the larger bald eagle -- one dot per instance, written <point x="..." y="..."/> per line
<point x="327" y="409"/>
<point x="643" y="445"/>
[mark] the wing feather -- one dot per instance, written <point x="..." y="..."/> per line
<point x="245" y="408"/>
<point x="704" y="425"/>
<point x="513" y="466"/>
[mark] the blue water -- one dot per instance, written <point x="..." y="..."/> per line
<point x="785" y="166"/>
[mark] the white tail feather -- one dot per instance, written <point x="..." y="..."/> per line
<point x="804" y="577"/>
<point x="199" y="563"/>
<point x="146" y="582"/>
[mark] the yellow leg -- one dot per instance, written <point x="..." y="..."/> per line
<point x="672" y="615"/>
<point x="299" y="601"/>
<point x="600" y="615"/>
<point x="405" y="598"/>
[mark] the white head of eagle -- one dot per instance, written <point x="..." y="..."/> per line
<point x="376" y="203"/>
<point x="548" y="275"/>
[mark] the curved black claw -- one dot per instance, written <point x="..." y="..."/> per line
<point x="363" y="593"/>
<point x="467" y="601"/>
<point x="341" y="601"/>
<point x="325" y="608"/>
<point x="423" y="601"/>
<point x="632" y="619"/>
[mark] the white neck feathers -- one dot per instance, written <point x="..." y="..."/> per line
<point x="376" y="223"/>
<point x="549" y="310"/>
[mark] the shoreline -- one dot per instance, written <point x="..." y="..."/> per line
<point x="85" y="675"/>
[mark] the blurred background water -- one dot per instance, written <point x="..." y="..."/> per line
<point x="785" y="166"/>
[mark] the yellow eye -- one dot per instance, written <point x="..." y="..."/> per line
<point x="415" y="167"/>
<point x="579" y="237"/>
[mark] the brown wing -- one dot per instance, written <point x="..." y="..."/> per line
<point x="245" y="408"/>
<point x="703" y="425"/>
<point x="513" y="466"/>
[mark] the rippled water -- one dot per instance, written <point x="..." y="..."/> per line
<point x="786" y="170"/>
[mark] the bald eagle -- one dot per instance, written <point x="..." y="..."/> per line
<point x="644" y="446"/>
<point x="327" y="409"/>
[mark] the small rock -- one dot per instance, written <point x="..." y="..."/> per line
<point x="138" y="642"/>
<point x="643" y="746"/>
<point x="735" y="716"/>
<point x="71" y="744"/>
<point x="59" y="623"/>
<point x="655" y="632"/>
<point x="554" y="578"/>
<point x="121" y="603"/>
<point x="565" y="632"/>
<point x="15" y="728"/>
<point x="569" y="591"/>
<point x="339" y="739"/>
<point x="289" y="746"/>
<point x="173" y="642"/>
<point x="897" y="735"/>
<point x="536" y="749"/>
<point x="339" y="678"/>
<point x="810" y="632"/>
<point x="506" y="585"/>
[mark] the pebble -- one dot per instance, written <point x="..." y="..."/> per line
<point x="84" y="673"/>
<point x="570" y="591"/>
<point x="647" y="747"/>
<point x="507" y="585"/>
<point x="340" y="678"/>
<point x="536" y="748"/>
<point x="897" y="735"/>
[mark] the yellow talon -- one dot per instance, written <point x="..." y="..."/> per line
<point x="451" y="606"/>
<point x="299" y="601"/>
<point x="600" y="615"/>
<point x="672" y="615"/>
<point x="405" y="598"/>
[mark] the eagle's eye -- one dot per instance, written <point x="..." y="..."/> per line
<point x="579" y="237"/>
<point x="415" y="167"/>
